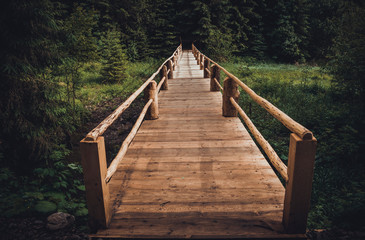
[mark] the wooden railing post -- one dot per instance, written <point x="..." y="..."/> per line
<point x="150" y="92"/>
<point x="299" y="186"/>
<point x="93" y="160"/>
<point x="206" y="66"/>
<point x="214" y="73"/>
<point x="163" y="73"/>
<point x="174" y="62"/>
<point x="198" y="59"/>
<point x="201" y="63"/>
<point x="169" y="67"/>
<point x="230" y="89"/>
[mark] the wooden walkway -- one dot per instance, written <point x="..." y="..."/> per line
<point x="193" y="173"/>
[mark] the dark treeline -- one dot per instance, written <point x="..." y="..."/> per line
<point x="46" y="43"/>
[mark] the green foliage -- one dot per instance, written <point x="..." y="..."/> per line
<point x="306" y="94"/>
<point x="114" y="69"/>
<point x="45" y="207"/>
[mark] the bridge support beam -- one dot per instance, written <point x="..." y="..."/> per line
<point x="214" y="73"/>
<point x="163" y="73"/>
<point x="93" y="160"/>
<point x="299" y="186"/>
<point x="230" y="89"/>
<point x="151" y="93"/>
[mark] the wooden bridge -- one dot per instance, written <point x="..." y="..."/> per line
<point x="191" y="169"/>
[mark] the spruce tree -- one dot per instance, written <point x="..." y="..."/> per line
<point x="114" y="57"/>
<point x="30" y="126"/>
<point x="163" y="34"/>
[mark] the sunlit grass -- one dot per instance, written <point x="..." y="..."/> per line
<point x="283" y="73"/>
<point x="95" y="91"/>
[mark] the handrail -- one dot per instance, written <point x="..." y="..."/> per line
<point x="160" y="84"/>
<point x="288" y="122"/>
<point x="123" y="149"/>
<point x="218" y="84"/>
<point x="270" y="152"/>
<point x="298" y="175"/>
<point x="103" y="126"/>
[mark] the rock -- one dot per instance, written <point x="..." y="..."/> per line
<point x="59" y="220"/>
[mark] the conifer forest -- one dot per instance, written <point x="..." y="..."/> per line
<point x="66" y="65"/>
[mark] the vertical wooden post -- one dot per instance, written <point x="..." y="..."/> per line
<point x="169" y="66"/>
<point x="93" y="160"/>
<point x="214" y="73"/>
<point x="230" y="89"/>
<point x="206" y="66"/>
<point x="299" y="186"/>
<point x="174" y="62"/>
<point x="201" y="63"/>
<point x="198" y="59"/>
<point x="163" y="73"/>
<point x="150" y="92"/>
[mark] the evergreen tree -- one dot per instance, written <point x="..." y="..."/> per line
<point x="134" y="18"/>
<point x="284" y="35"/>
<point x="323" y="27"/>
<point x="78" y="47"/>
<point x="115" y="60"/>
<point x="163" y="38"/>
<point x="252" y="41"/>
<point x="30" y="125"/>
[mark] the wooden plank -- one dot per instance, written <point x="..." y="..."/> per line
<point x="189" y="136"/>
<point x="210" y="208"/>
<point x="192" y="144"/>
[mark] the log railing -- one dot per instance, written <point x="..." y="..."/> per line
<point x="298" y="175"/>
<point x="93" y="156"/>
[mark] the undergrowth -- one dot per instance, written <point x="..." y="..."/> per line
<point x="306" y="94"/>
<point x="58" y="184"/>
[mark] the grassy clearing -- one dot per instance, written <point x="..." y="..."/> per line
<point x="94" y="91"/>
<point x="305" y="94"/>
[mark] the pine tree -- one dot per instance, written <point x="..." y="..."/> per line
<point x="282" y="31"/>
<point x="163" y="34"/>
<point x="115" y="60"/>
<point x="28" y="121"/>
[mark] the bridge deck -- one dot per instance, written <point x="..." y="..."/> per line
<point x="193" y="172"/>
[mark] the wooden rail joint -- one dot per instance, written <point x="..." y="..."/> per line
<point x="93" y="160"/>
<point x="230" y="89"/>
<point x="299" y="186"/>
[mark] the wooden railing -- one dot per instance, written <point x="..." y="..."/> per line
<point x="93" y="156"/>
<point x="298" y="175"/>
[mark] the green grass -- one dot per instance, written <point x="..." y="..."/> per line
<point x="94" y="91"/>
<point x="305" y="93"/>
